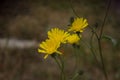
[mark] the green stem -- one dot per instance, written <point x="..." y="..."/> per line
<point x="75" y="76"/>
<point x="104" y="20"/>
<point x="73" y="8"/>
<point x="61" y="66"/>
<point x="99" y="39"/>
<point x="76" y="57"/>
<point x="100" y="49"/>
<point x="93" y="52"/>
<point x="100" y="52"/>
<point x="102" y="60"/>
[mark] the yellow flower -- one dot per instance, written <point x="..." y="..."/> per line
<point x="78" y="25"/>
<point x="58" y="34"/>
<point x="49" y="46"/>
<point x="74" y="38"/>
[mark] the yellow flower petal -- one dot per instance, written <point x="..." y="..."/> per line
<point x="58" y="52"/>
<point x="58" y="34"/>
<point x="45" y="56"/>
<point x="74" y="38"/>
<point x="49" y="46"/>
<point x="41" y="51"/>
<point x="78" y="25"/>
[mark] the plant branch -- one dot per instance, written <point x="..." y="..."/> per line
<point x="99" y="39"/>
<point x="73" y="8"/>
<point x="104" y="20"/>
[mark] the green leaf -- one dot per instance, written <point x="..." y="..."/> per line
<point x="114" y="42"/>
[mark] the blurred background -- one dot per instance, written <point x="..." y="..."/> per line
<point x="24" y="24"/>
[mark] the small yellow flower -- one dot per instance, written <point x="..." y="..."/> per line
<point x="49" y="46"/>
<point x="74" y="38"/>
<point x="78" y="25"/>
<point x="58" y="34"/>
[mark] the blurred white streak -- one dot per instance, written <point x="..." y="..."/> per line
<point x="16" y="43"/>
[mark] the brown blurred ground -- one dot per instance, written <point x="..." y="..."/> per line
<point x="31" y="19"/>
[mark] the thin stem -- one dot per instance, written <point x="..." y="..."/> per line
<point x="100" y="51"/>
<point x="77" y="64"/>
<point x="75" y="76"/>
<point x="102" y="60"/>
<point x="76" y="67"/>
<point x="93" y="31"/>
<point x="76" y="58"/>
<point x="73" y="8"/>
<point x="61" y="66"/>
<point x="91" y="44"/>
<point x="99" y="40"/>
<point x="104" y="20"/>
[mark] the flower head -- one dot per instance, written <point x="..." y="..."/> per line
<point x="49" y="46"/>
<point x="58" y="35"/>
<point x="74" y="38"/>
<point x="78" y="25"/>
